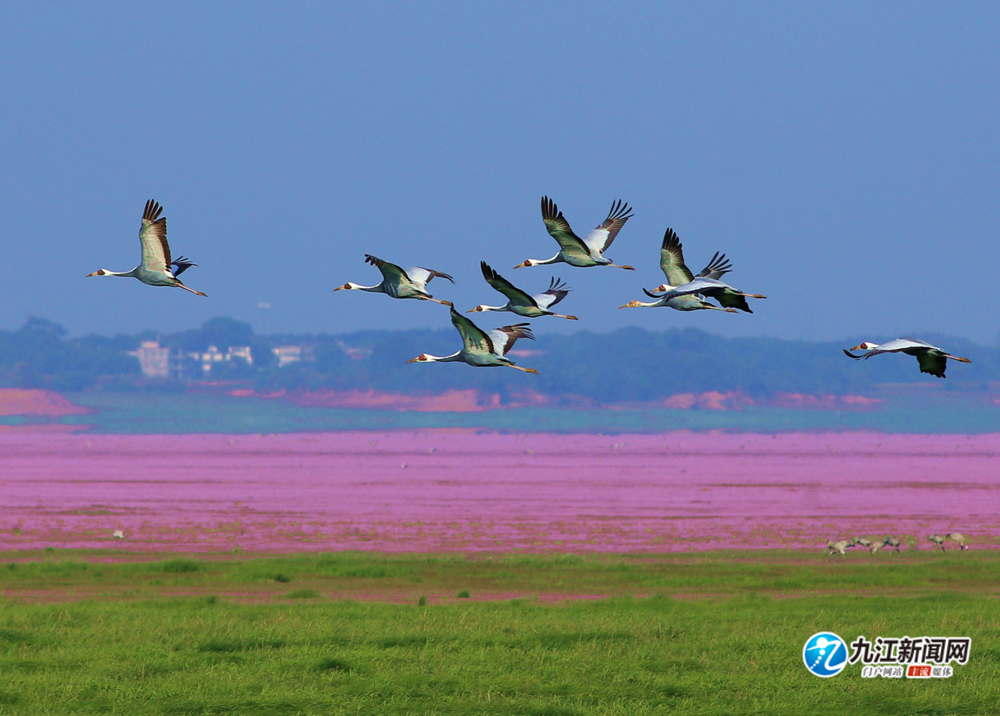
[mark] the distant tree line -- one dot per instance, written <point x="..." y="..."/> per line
<point x="629" y="364"/>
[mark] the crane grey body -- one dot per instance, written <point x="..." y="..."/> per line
<point x="521" y="303"/>
<point x="156" y="266"/>
<point x="931" y="359"/>
<point x="397" y="283"/>
<point x="481" y="348"/>
<point x="585" y="252"/>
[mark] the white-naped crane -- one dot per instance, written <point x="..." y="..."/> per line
<point x="483" y="349"/>
<point x="892" y="542"/>
<point x="678" y="274"/>
<point x="957" y="538"/>
<point x="707" y="283"/>
<point x="520" y="302"/>
<point x="938" y="540"/>
<point x="839" y="547"/>
<point x="710" y="287"/>
<point x="585" y="252"/>
<point x="397" y="283"/>
<point x="932" y="359"/>
<point x="156" y="267"/>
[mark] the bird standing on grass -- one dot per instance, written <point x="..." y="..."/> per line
<point x="397" y="283"/>
<point x="938" y="540"/>
<point x="891" y="541"/>
<point x="932" y="359"/>
<point x="958" y="538"/>
<point x="520" y="302"/>
<point x="155" y="269"/>
<point x="585" y="252"/>
<point x="839" y="547"/>
<point x="480" y="348"/>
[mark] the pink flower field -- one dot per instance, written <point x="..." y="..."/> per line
<point x="437" y="491"/>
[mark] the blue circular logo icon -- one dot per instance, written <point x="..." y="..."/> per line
<point x="825" y="654"/>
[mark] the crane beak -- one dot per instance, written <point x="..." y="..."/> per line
<point x="522" y="265"/>
<point x="96" y="273"/>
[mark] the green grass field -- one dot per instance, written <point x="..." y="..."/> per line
<point x="353" y="633"/>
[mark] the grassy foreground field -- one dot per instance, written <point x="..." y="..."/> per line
<point x="717" y="633"/>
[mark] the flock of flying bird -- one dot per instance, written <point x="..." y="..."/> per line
<point x="683" y="291"/>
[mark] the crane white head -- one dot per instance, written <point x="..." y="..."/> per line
<point x="349" y="286"/>
<point x="422" y="358"/>
<point x="527" y="262"/>
<point x="100" y="272"/>
<point x="866" y="346"/>
<point x="480" y="308"/>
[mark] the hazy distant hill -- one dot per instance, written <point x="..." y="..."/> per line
<point x="626" y="365"/>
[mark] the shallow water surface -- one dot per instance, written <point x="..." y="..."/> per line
<point x="466" y="491"/>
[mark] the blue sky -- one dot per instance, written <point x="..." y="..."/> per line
<point x="844" y="155"/>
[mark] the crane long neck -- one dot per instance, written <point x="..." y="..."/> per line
<point x="134" y="273"/>
<point x="456" y="356"/>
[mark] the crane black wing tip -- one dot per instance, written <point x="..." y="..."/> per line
<point x="151" y="211"/>
<point x="620" y="211"/>
<point x="373" y="260"/>
<point x="670" y="239"/>
<point x="550" y="212"/>
<point x="556" y="284"/>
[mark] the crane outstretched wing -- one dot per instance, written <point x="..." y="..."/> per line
<point x="153" y="237"/>
<point x="672" y="260"/>
<point x="474" y="338"/>
<point x="393" y="274"/>
<point x="425" y="275"/>
<point x="512" y="292"/>
<point x="718" y="267"/>
<point x="508" y="335"/>
<point x="557" y="292"/>
<point x="601" y="238"/>
<point x="706" y="286"/>
<point x="559" y="230"/>
<point x="932" y="361"/>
